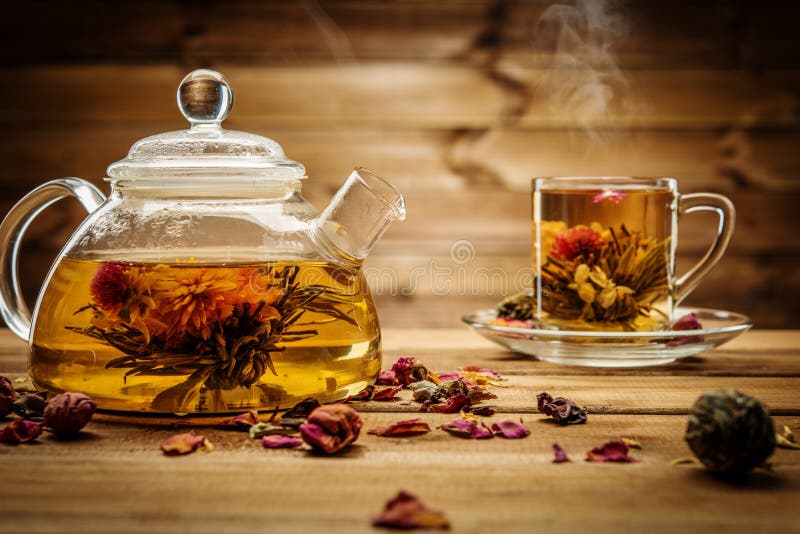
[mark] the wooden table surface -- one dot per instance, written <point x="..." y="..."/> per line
<point x="115" y="479"/>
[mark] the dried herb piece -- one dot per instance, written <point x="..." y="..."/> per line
<point x="631" y="443"/>
<point x="730" y="432"/>
<point x="387" y="394"/>
<point x="185" y="443"/>
<point x="409" y="427"/>
<point x="270" y="429"/>
<point x="786" y="440"/>
<point x="363" y="395"/>
<point x="241" y="422"/>
<point x="406" y="511"/>
<point x="31" y="405"/>
<point x="510" y="429"/>
<point x="467" y="428"/>
<point x="331" y="428"/>
<point x="559" y="454"/>
<point x="612" y="451"/>
<point x="685" y="460"/>
<point x="409" y="369"/>
<point x="386" y="378"/>
<point x="519" y="307"/>
<point x="20" y="431"/>
<point x="280" y="442"/>
<point x="7" y="396"/>
<point x="483" y="411"/>
<point x="563" y="411"/>
<point x="423" y="390"/>
<point x="67" y="413"/>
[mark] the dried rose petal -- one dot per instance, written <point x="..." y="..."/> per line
<point x="302" y="409"/>
<point x="559" y="454"/>
<point x="467" y="428"/>
<point x="184" y="444"/>
<point x="454" y="404"/>
<point x="406" y="511"/>
<point x="20" y="431"/>
<point x="280" y="442"/>
<point x="240" y="422"/>
<point x="564" y="411"/>
<point x="386" y="378"/>
<point x="482" y="371"/>
<point x="510" y="429"/>
<point x="331" y="428"/>
<point x="7" y="396"/>
<point x="387" y="394"/>
<point x="67" y="413"/>
<point x="447" y="377"/>
<point x="612" y="451"/>
<point x="409" y="369"/>
<point x="30" y="405"/>
<point x="483" y="411"/>
<point x="409" y="427"/>
<point x="363" y="395"/>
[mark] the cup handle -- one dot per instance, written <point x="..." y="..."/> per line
<point x="12" y="304"/>
<point x="727" y="214"/>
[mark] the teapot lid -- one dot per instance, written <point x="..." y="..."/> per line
<point x="205" y="98"/>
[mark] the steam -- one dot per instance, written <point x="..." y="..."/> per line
<point x="582" y="81"/>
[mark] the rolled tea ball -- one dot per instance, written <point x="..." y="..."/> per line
<point x="730" y="432"/>
<point x="67" y="413"/>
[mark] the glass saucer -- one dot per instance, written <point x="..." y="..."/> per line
<point x="614" y="349"/>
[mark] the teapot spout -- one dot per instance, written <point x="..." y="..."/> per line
<point x="360" y="213"/>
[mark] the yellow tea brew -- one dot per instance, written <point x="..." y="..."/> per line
<point x="204" y="338"/>
<point x="603" y="257"/>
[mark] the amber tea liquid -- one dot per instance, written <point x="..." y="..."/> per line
<point x="603" y="257"/>
<point x="191" y="335"/>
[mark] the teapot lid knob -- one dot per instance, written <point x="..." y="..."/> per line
<point x="205" y="97"/>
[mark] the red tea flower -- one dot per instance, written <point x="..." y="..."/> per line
<point x="579" y="241"/>
<point x="67" y="413"/>
<point x="109" y="286"/>
<point x="406" y="511"/>
<point x="613" y="451"/>
<point x="331" y="428"/>
<point x="409" y="427"/>
<point x="280" y="442"/>
<point x="20" y="431"/>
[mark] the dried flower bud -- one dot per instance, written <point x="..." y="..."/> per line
<point x="31" y="405"/>
<point x="564" y="411"/>
<point x="331" y="428"/>
<point x="7" y="396"/>
<point x="67" y="413"/>
<point x="730" y="432"/>
<point x="20" y="431"/>
<point x="386" y="378"/>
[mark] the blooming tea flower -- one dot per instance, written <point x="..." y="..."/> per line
<point x="331" y="428"/>
<point x="578" y="242"/>
<point x="67" y="413"/>
<point x="109" y="286"/>
<point x="406" y="511"/>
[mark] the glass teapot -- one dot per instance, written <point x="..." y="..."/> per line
<point x="205" y="283"/>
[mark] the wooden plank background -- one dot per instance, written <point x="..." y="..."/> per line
<point x="445" y="99"/>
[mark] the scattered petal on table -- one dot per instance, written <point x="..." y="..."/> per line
<point x="241" y="422"/>
<point x="632" y="443"/>
<point x="510" y="429"/>
<point x="612" y="451"/>
<point x="406" y="511"/>
<point x="563" y="411"/>
<point x="20" y="431"/>
<point x="387" y="394"/>
<point x="559" y="454"/>
<point x="409" y="427"/>
<point x="467" y="428"/>
<point x="363" y="395"/>
<point x="275" y="441"/>
<point x="185" y="444"/>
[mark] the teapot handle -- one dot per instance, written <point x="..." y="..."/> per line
<point x="12" y="304"/>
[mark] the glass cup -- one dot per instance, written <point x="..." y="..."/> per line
<point x="604" y="251"/>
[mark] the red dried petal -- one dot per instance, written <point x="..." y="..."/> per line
<point x="408" y="370"/>
<point x="386" y="378"/>
<point x="406" y="511"/>
<point x="387" y="394"/>
<point x="241" y="422"/>
<point x="563" y="411"/>
<point x="7" y="396"/>
<point x="580" y="241"/>
<point x="510" y="429"/>
<point x="612" y="451"/>
<point x="449" y="377"/>
<point x="363" y="395"/>
<point x="483" y="411"/>
<point x="467" y="428"/>
<point x="182" y="443"/>
<point x="280" y="442"/>
<point x="409" y="427"/>
<point x="67" y="413"/>
<point x="20" y="431"/>
<point x="109" y="286"/>
<point x="559" y="454"/>
<point x="331" y="428"/>
<point x="453" y="404"/>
